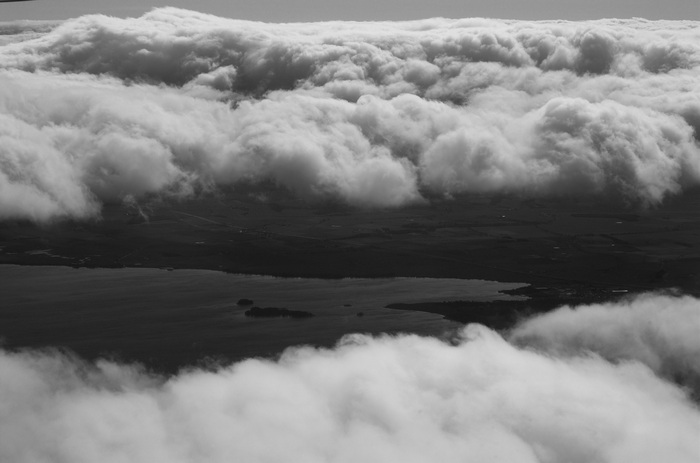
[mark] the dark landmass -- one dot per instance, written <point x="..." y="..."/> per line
<point x="275" y="312"/>
<point x="244" y="301"/>
<point x="504" y="314"/>
<point x="584" y="248"/>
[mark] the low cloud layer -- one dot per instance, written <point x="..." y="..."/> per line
<point x="658" y="331"/>
<point x="388" y="399"/>
<point x="99" y="109"/>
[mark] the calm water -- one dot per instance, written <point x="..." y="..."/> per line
<point x="173" y="319"/>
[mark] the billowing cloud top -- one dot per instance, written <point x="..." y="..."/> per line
<point x="373" y="114"/>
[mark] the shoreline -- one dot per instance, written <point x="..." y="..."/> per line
<point x="498" y="314"/>
<point x="505" y="314"/>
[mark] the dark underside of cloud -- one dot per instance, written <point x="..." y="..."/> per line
<point x="100" y="109"/>
<point x="585" y="384"/>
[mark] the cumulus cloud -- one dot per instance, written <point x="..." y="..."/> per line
<point x="371" y="114"/>
<point x="658" y="331"/>
<point x="403" y="398"/>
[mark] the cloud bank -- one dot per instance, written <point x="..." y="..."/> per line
<point x="658" y="331"/>
<point x="389" y="399"/>
<point x="98" y="109"/>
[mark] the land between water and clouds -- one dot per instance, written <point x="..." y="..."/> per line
<point x="563" y="251"/>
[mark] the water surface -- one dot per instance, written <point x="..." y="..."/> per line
<point x="171" y="319"/>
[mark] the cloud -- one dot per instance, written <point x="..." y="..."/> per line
<point x="658" y="331"/>
<point x="18" y="31"/>
<point x="401" y="398"/>
<point x="370" y="114"/>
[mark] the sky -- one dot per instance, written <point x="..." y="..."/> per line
<point x="364" y="10"/>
